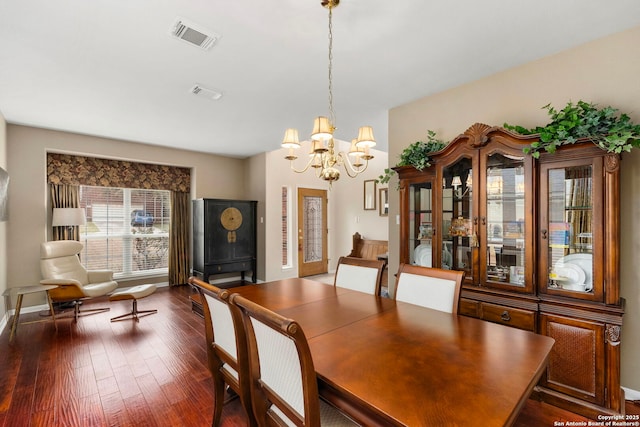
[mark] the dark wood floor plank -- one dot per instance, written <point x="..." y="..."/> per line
<point x="91" y="411"/>
<point x="44" y="418"/>
<point x="147" y="373"/>
<point x="107" y="386"/>
<point x="126" y="382"/>
<point x="139" y="411"/>
<point x="101" y="366"/>
<point x="115" y="410"/>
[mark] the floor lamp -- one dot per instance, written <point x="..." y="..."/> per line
<point x="68" y="217"/>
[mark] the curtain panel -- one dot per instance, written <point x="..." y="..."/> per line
<point x="65" y="171"/>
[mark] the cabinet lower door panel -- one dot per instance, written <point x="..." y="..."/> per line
<point x="577" y="361"/>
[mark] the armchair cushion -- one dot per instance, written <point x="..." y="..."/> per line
<point x="96" y="276"/>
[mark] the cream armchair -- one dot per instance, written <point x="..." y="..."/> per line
<point x="60" y="265"/>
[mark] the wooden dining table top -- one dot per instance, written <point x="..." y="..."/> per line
<point x="393" y="363"/>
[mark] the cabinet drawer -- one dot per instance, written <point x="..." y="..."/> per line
<point x="230" y="267"/>
<point x="468" y="307"/>
<point x="509" y="316"/>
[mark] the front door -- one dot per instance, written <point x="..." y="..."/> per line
<point x="312" y="232"/>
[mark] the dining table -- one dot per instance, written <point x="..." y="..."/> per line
<point x="390" y="363"/>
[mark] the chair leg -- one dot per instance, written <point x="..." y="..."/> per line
<point x="218" y="400"/>
<point x="76" y="312"/>
<point x="134" y="314"/>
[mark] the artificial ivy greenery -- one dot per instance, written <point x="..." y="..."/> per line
<point x="606" y="128"/>
<point x="416" y="155"/>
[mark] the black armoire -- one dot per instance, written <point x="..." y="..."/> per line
<point x="224" y="237"/>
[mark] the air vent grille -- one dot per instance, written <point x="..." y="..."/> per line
<point x="205" y="92"/>
<point x="193" y="34"/>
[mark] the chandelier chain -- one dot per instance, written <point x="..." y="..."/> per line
<point x="332" y="115"/>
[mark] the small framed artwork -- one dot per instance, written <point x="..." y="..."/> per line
<point x="370" y="195"/>
<point x="384" y="201"/>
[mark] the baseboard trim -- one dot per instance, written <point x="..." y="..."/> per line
<point x="630" y="394"/>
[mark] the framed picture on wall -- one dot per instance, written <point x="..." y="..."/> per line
<point x="370" y="195"/>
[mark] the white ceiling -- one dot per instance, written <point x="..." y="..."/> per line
<point x="110" y="67"/>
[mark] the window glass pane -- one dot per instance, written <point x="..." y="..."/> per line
<point x="285" y="224"/>
<point x="420" y="224"/>
<point x="127" y="230"/>
<point x="312" y="217"/>
<point x="505" y="219"/>
<point x="571" y="228"/>
<point x="457" y="211"/>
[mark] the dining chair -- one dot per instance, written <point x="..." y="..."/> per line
<point x="226" y="349"/>
<point x="358" y="274"/>
<point x="434" y="288"/>
<point x="283" y="379"/>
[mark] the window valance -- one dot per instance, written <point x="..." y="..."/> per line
<point x="79" y="170"/>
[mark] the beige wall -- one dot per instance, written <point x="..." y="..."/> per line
<point x="255" y="189"/>
<point x="604" y="72"/>
<point x="213" y="176"/>
<point x="3" y="224"/>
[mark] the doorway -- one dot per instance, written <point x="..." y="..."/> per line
<point x="312" y="232"/>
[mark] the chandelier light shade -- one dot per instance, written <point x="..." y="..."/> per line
<point x="322" y="129"/>
<point x="322" y="155"/>
<point x="291" y="139"/>
<point x="365" y="137"/>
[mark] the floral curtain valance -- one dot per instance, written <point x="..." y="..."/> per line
<point x="79" y="170"/>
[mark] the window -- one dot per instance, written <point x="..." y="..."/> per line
<point x="286" y="227"/>
<point x="127" y="230"/>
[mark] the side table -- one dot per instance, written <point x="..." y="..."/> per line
<point x="30" y="290"/>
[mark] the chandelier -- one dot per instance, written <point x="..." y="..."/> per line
<point x="322" y="155"/>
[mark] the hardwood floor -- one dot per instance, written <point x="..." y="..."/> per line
<point x="151" y="373"/>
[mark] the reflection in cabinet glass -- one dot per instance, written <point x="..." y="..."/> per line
<point x="505" y="259"/>
<point x="570" y="241"/>
<point x="458" y="236"/>
<point x="421" y="225"/>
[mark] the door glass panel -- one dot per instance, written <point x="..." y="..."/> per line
<point x="420" y="224"/>
<point x="570" y="231"/>
<point x="312" y="218"/>
<point x="505" y="219"/>
<point x="457" y="232"/>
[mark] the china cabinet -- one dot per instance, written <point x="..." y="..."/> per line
<point x="538" y="240"/>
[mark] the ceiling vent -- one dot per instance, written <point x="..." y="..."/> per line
<point x="193" y="34"/>
<point x="205" y="92"/>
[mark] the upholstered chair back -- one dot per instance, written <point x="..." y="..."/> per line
<point x="59" y="260"/>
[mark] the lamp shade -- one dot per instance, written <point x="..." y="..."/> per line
<point x="291" y="139"/>
<point x="354" y="150"/>
<point x="456" y="182"/>
<point x="322" y="129"/>
<point x="365" y="137"/>
<point x="68" y="217"/>
<point x="317" y="146"/>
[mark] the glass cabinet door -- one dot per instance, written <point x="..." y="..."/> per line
<point x="421" y="227"/>
<point x="458" y="236"/>
<point x="504" y="221"/>
<point x="568" y="239"/>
